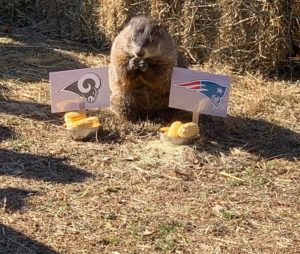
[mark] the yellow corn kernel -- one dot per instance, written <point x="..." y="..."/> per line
<point x="173" y="131"/>
<point x="90" y="122"/>
<point x="188" y="130"/>
<point x="72" y="117"/>
<point x="164" y="129"/>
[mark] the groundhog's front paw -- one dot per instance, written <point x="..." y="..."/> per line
<point x="143" y="65"/>
<point x="133" y="64"/>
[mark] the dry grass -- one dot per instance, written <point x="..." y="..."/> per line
<point x="234" y="191"/>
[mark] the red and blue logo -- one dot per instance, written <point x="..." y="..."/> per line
<point x="210" y="89"/>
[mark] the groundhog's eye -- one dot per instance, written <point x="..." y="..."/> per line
<point x="154" y="31"/>
<point x="140" y="31"/>
<point x="146" y="42"/>
<point x="137" y="33"/>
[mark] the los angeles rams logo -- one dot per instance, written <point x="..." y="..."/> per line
<point x="87" y="87"/>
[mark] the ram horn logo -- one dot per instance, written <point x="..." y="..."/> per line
<point x="87" y="87"/>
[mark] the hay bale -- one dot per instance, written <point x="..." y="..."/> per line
<point x="253" y="35"/>
<point x="17" y="12"/>
<point x="74" y="20"/>
<point x="169" y="12"/>
<point x="89" y="20"/>
<point x="200" y="28"/>
<point x="295" y="12"/>
<point x="57" y="15"/>
<point x="114" y="14"/>
<point x="139" y="7"/>
<point x="192" y="23"/>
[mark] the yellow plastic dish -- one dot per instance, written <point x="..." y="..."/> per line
<point x="82" y="134"/>
<point x="80" y="127"/>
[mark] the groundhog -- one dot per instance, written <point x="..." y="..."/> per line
<point x="142" y="59"/>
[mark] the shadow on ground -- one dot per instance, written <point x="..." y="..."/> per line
<point x="256" y="136"/>
<point x="13" y="241"/>
<point x="33" y="64"/>
<point x="32" y="110"/>
<point x="5" y="133"/>
<point x="13" y="199"/>
<point x="31" y="60"/>
<point x="37" y="167"/>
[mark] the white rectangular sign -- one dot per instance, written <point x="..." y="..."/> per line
<point x="79" y="89"/>
<point x="200" y="92"/>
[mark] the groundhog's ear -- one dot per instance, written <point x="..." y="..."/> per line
<point x="134" y="21"/>
<point x="156" y="30"/>
<point x="161" y="28"/>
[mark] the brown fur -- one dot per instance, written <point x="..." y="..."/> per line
<point x="140" y="84"/>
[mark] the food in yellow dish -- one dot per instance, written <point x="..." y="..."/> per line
<point x="180" y="130"/>
<point x="173" y="130"/>
<point x="188" y="130"/>
<point x="89" y="122"/>
<point x="78" y="120"/>
<point x="72" y="117"/>
<point x="164" y="129"/>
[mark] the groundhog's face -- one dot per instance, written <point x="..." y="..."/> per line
<point x="145" y="38"/>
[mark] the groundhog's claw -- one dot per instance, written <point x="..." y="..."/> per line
<point x="133" y="64"/>
<point x="143" y="65"/>
<point x="137" y="64"/>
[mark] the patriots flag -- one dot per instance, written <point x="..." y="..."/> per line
<point x="212" y="90"/>
<point x="200" y="92"/>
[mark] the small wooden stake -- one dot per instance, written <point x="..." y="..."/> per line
<point x="196" y="117"/>
<point x="81" y="106"/>
<point x="196" y="113"/>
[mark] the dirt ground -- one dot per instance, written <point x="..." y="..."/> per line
<point x="235" y="190"/>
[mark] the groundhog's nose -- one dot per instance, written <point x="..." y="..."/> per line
<point x="140" y="53"/>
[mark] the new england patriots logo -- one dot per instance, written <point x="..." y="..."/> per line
<point x="210" y="89"/>
<point x="87" y="87"/>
